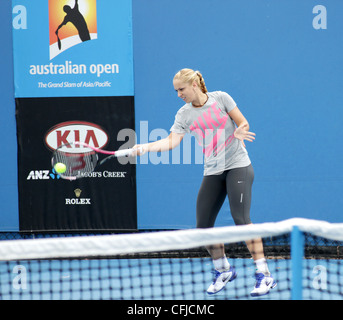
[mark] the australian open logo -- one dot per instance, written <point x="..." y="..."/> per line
<point x="71" y="22"/>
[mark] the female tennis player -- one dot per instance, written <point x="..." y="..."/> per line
<point x="220" y="127"/>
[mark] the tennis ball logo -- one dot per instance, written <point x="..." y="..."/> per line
<point x="60" y="168"/>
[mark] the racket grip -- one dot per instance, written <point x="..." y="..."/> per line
<point x="123" y="153"/>
<point x="126" y="152"/>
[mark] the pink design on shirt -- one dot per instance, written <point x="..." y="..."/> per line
<point x="205" y="125"/>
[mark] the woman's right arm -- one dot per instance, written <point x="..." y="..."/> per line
<point x="166" y="144"/>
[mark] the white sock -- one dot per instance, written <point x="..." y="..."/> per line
<point x="262" y="267"/>
<point x="221" y="264"/>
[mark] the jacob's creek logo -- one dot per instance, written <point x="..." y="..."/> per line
<point x="77" y="200"/>
<point x="71" y="22"/>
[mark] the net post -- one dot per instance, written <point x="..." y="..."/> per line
<point x="297" y="253"/>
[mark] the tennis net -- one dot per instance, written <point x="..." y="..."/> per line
<point x="304" y="257"/>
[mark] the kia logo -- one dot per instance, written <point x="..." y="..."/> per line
<point x="72" y="131"/>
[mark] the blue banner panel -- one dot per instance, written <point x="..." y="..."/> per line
<point x="73" y="76"/>
<point x="72" y="48"/>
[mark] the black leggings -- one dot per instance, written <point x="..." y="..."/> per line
<point x="234" y="183"/>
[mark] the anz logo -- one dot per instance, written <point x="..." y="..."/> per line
<point x="43" y="175"/>
<point x="54" y="174"/>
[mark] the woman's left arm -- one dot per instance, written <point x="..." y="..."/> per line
<point x="242" y="132"/>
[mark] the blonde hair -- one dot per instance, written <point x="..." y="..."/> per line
<point x="189" y="76"/>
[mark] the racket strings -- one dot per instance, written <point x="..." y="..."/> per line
<point x="77" y="164"/>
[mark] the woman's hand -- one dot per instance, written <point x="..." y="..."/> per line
<point x="242" y="133"/>
<point x="139" y="149"/>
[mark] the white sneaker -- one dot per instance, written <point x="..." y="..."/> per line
<point x="221" y="279"/>
<point x="263" y="285"/>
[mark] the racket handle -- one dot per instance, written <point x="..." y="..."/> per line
<point x="123" y="153"/>
<point x="126" y="152"/>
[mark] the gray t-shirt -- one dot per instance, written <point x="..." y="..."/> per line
<point x="213" y="129"/>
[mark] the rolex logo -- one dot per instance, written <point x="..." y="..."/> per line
<point x="77" y="200"/>
<point x="77" y="192"/>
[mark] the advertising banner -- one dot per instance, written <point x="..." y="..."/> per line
<point x="73" y="77"/>
<point x="106" y="198"/>
<point x="72" y="48"/>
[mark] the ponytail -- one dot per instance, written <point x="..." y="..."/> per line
<point x="201" y="83"/>
<point x="189" y="76"/>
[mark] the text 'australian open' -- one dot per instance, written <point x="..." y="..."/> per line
<point x="70" y="68"/>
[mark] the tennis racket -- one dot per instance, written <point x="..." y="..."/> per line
<point x="59" y="42"/>
<point x="81" y="158"/>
